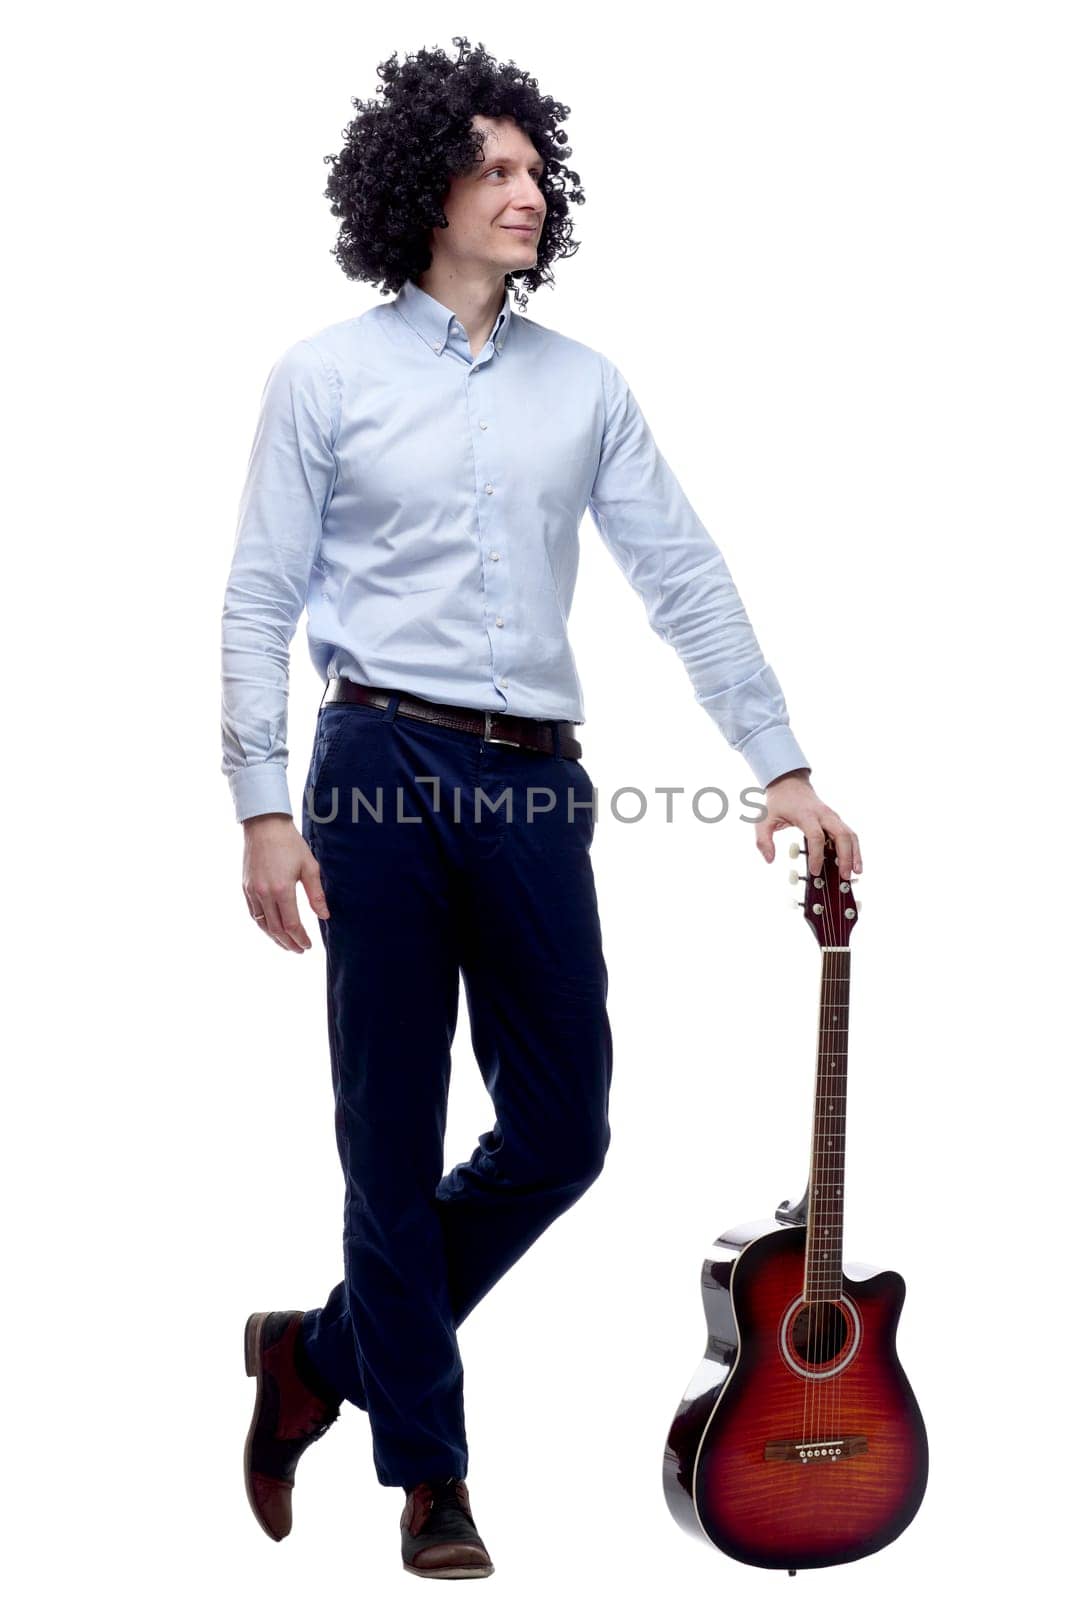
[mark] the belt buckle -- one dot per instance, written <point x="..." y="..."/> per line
<point x="489" y="739"/>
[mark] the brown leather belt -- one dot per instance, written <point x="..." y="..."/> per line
<point x="495" y="727"/>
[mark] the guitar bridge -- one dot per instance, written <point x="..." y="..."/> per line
<point x="805" y="1450"/>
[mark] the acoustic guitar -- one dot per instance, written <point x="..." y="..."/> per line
<point x="799" y="1441"/>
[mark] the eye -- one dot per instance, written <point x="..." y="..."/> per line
<point x="537" y="175"/>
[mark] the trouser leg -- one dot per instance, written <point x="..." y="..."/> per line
<point x="386" y="1337"/>
<point x="527" y="935"/>
<point x="536" y="985"/>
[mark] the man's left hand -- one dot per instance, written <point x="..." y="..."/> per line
<point x="792" y="803"/>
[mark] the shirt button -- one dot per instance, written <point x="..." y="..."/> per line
<point x="494" y="555"/>
<point x="483" y="424"/>
<point x="437" y="346"/>
<point x="500" y="622"/>
<point x="489" y="488"/>
<point x="503" y="683"/>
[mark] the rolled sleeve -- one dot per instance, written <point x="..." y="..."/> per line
<point x="692" y="603"/>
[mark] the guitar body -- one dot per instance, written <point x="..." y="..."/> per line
<point x="799" y="1442"/>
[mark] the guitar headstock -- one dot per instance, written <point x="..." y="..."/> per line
<point x="831" y="910"/>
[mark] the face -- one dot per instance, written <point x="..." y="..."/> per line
<point x="496" y="211"/>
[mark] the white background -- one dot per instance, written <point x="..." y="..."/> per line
<point x="825" y="245"/>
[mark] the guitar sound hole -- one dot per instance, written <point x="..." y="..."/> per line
<point x="819" y="1332"/>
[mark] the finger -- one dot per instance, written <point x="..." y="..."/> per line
<point x="816" y="845"/>
<point x="271" y="905"/>
<point x="842" y="837"/>
<point x="255" y="910"/>
<point x="765" y="836"/>
<point x="291" y="923"/>
<point x="311" y="878"/>
<point x="848" y="847"/>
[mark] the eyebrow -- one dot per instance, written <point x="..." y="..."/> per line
<point x="507" y="161"/>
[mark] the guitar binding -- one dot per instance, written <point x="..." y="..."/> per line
<point x="794" y="1211"/>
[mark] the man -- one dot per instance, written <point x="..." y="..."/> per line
<point x="417" y="479"/>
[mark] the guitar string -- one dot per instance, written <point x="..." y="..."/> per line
<point x="830" y="1310"/>
<point x="841" y="979"/>
<point x="824" y="1317"/>
<point x="826" y="1313"/>
<point x="839" y="1208"/>
<point x="812" y="1230"/>
<point x="805" y="1284"/>
<point x="821" y="1313"/>
<point x="826" y="1308"/>
<point x="808" y="1284"/>
<point x="820" y="1270"/>
<point x="813" y="1225"/>
<point x="846" y="965"/>
<point x="815" y="1314"/>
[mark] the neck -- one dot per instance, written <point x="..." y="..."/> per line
<point x="477" y="299"/>
<point x="822" y="1266"/>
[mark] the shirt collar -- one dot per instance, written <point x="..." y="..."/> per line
<point x="433" y="321"/>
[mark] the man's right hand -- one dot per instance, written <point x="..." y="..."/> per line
<point x="276" y="860"/>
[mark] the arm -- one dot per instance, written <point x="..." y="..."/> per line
<point x="668" y="556"/>
<point x="289" y="480"/>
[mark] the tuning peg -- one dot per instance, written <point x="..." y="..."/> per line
<point x="796" y="849"/>
<point x="856" y="903"/>
<point x="799" y="904"/>
<point x="797" y="877"/>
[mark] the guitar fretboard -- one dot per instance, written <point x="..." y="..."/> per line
<point x="826" y="1204"/>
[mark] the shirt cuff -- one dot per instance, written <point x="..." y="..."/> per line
<point x="772" y="751"/>
<point x="260" y="788"/>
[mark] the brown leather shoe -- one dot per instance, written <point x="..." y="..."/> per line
<point x="438" y="1538"/>
<point x="293" y="1408"/>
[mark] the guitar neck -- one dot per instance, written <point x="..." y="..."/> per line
<point x="826" y="1186"/>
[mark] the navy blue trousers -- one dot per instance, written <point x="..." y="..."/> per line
<point x="433" y="882"/>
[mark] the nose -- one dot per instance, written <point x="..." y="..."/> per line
<point x="535" y="200"/>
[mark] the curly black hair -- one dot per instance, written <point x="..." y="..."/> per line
<point x="401" y="152"/>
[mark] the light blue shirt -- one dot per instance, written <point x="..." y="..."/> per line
<point x="424" y="505"/>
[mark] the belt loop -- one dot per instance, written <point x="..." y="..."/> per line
<point x="555" y="740"/>
<point x="394" y="701"/>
